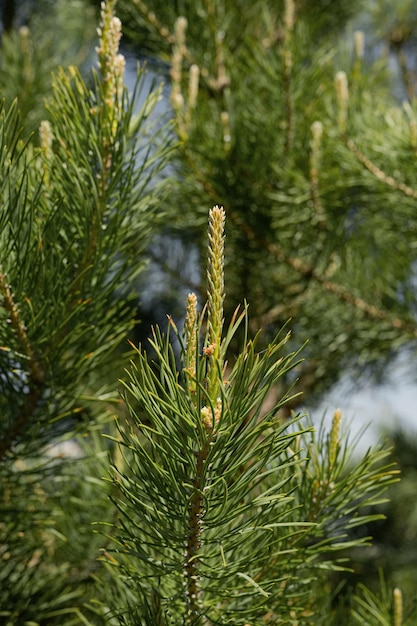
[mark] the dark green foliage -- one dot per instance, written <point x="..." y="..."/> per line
<point x="318" y="185"/>
<point x="75" y="214"/>
<point x="53" y="34"/>
<point x="66" y="258"/>
<point x="228" y="513"/>
<point x="395" y="535"/>
<point x="48" y="551"/>
<point x="222" y="505"/>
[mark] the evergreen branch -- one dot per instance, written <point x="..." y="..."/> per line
<point x="19" y="327"/>
<point x="155" y="23"/>
<point x="36" y="373"/>
<point x="320" y="214"/>
<point x="222" y="81"/>
<point x="104" y="109"/>
<point x="378" y="173"/>
<point x="21" y="420"/>
<point x="309" y="272"/>
<point x="111" y="65"/>
<point x="176" y="97"/>
<point x="219" y="501"/>
<point x="210" y="416"/>
<point x="219" y="84"/>
<point x="342" y="92"/>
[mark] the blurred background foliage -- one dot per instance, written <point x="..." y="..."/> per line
<point x="37" y="38"/>
<point x="318" y="180"/>
<point x="319" y="187"/>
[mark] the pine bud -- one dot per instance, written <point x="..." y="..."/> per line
<point x="398" y="607"/>
<point x="342" y="92"/>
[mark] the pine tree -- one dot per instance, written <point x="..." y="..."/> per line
<point x="216" y="508"/>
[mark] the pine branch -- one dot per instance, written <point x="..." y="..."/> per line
<point x="152" y="19"/>
<point x="19" y="327"/>
<point x="222" y="503"/>
<point x="310" y="272"/>
<point x="36" y="373"/>
<point x="378" y="173"/>
<point x="109" y="112"/>
<point x="210" y="416"/>
<point x="22" y="418"/>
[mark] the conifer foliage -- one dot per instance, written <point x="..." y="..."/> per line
<point x="229" y="514"/>
<point x="301" y="139"/>
<point x="207" y="500"/>
<point x="75" y="212"/>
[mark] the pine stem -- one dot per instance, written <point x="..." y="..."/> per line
<point x="193" y="546"/>
<point x="209" y="415"/>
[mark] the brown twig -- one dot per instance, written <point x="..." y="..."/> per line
<point x="378" y="173"/>
<point x="311" y="273"/>
<point x="36" y="372"/>
<point x="194" y="541"/>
